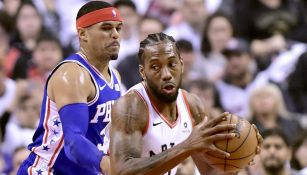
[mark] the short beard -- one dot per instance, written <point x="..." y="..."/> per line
<point x="274" y="170"/>
<point x="160" y="96"/>
<point x="113" y="57"/>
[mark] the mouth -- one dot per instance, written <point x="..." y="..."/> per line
<point x="169" y="88"/>
<point x="114" y="44"/>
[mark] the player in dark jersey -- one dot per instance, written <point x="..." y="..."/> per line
<point x="77" y="100"/>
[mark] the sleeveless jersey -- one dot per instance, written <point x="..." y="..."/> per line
<point x="162" y="134"/>
<point x="48" y="142"/>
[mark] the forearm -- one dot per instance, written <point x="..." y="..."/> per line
<point x="157" y="164"/>
<point x="74" y="119"/>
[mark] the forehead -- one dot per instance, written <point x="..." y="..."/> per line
<point x="159" y="50"/>
<point x="272" y="140"/>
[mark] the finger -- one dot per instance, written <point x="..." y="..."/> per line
<point x="221" y="117"/>
<point x="220" y="128"/>
<point x="259" y="137"/>
<point x="258" y="150"/>
<point x="219" y="152"/>
<point x="218" y="137"/>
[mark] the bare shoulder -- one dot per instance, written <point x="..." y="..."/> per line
<point x="196" y="106"/>
<point x="130" y="113"/>
<point x="70" y="83"/>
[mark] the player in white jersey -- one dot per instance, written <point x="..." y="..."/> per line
<point x="157" y="125"/>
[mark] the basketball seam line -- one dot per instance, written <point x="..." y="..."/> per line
<point x="243" y="140"/>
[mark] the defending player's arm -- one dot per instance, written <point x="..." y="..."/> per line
<point x="71" y="88"/>
<point x="129" y="120"/>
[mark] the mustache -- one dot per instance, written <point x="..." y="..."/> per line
<point x="114" y="43"/>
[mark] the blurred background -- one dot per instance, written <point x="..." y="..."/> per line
<point x="247" y="57"/>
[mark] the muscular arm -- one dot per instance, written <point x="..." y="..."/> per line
<point x="70" y="87"/>
<point x="129" y="119"/>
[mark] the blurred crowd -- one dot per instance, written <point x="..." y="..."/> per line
<point x="247" y="57"/>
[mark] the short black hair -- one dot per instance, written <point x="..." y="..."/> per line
<point x="6" y="22"/>
<point x="127" y="3"/>
<point x="48" y="37"/>
<point x="154" y="38"/>
<point x="92" y="6"/>
<point x="184" y="45"/>
<point x="276" y="132"/>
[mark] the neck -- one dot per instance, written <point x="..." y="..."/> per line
<point x="169" y="110"/>
<point x="102" y="65"/>
<point x="268" y="120"/>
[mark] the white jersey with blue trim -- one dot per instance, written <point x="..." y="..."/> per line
<point x="161" y="134"/>
<point x="48" y="142"/>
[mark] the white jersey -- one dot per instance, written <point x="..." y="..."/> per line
<point x="161" y="134"/>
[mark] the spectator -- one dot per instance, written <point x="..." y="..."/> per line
<point x="28" y="27"/>
<point x="130" y="30"/>
<point x="11" y="7"/>
<point x="267" y="109"/>
<point x="193" y="69"/>
<point x="194" y="14"/>
<point x="129" y="67"/>
<point x="46" y="55"/>
<point x="270" y="26"/>
<point x="206" y="91"/>
<point x="297" y="86"/>
<point x="299" y="160"/>
<point x="275" y="154"/>
<point x="219" y="30"/>
<point x="19" y="155"/>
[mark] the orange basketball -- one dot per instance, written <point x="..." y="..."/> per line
<point x="242" y="149"/>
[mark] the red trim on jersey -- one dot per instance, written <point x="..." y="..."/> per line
<point x="188" y="107"/>
<point x="148" y="118"/>
<point x="105" y="14"/>
<point x="170" y="124"/>
<point x="46" y="121"/>
<point x="56" y="151"/>
<point x="35" y="164"/>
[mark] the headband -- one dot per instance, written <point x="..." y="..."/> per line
<point x="105" y="14"/>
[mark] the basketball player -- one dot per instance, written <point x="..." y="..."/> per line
<point x="157" y="125"/>
<point x="77" y="100"/>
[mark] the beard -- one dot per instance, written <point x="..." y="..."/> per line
<point x="113" y="56"/>
<point x="162" y="97"/>
<point x="274" y="169"/>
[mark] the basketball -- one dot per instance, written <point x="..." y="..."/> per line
<point x="242" y="148"/>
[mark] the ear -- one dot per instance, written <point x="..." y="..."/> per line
<point x="82" y="34"/>
<point x="182" y="64"/>
<point x="142" y="73"/>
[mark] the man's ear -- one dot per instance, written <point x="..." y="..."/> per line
<point x="82" y="34"/>
<point x="142" y="73"/>
<point x="181" y="61"/>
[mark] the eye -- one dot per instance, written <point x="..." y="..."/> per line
<point x="106" y="28"/>
<point x="173" y="64"/>
<point x="155" y="67"/>
<point x="119" y="28"/>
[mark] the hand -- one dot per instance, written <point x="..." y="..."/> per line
<point x="206" y="133"/>
<point x="260" y="140"/>
<point x="105" y="165"/>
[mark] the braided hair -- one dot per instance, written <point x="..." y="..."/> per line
<point x="154" y="39"/>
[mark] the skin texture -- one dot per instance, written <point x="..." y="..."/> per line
<point x="162" y="68"/>
<point x="71" y="83"/>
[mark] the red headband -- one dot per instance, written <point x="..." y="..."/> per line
<point x="105" y="14"/>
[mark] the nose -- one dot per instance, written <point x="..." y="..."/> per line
<point x="115" y="34"/>
<point x="166" y="74"/>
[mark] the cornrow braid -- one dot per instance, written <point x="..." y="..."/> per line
<point x="154" y="39"/>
